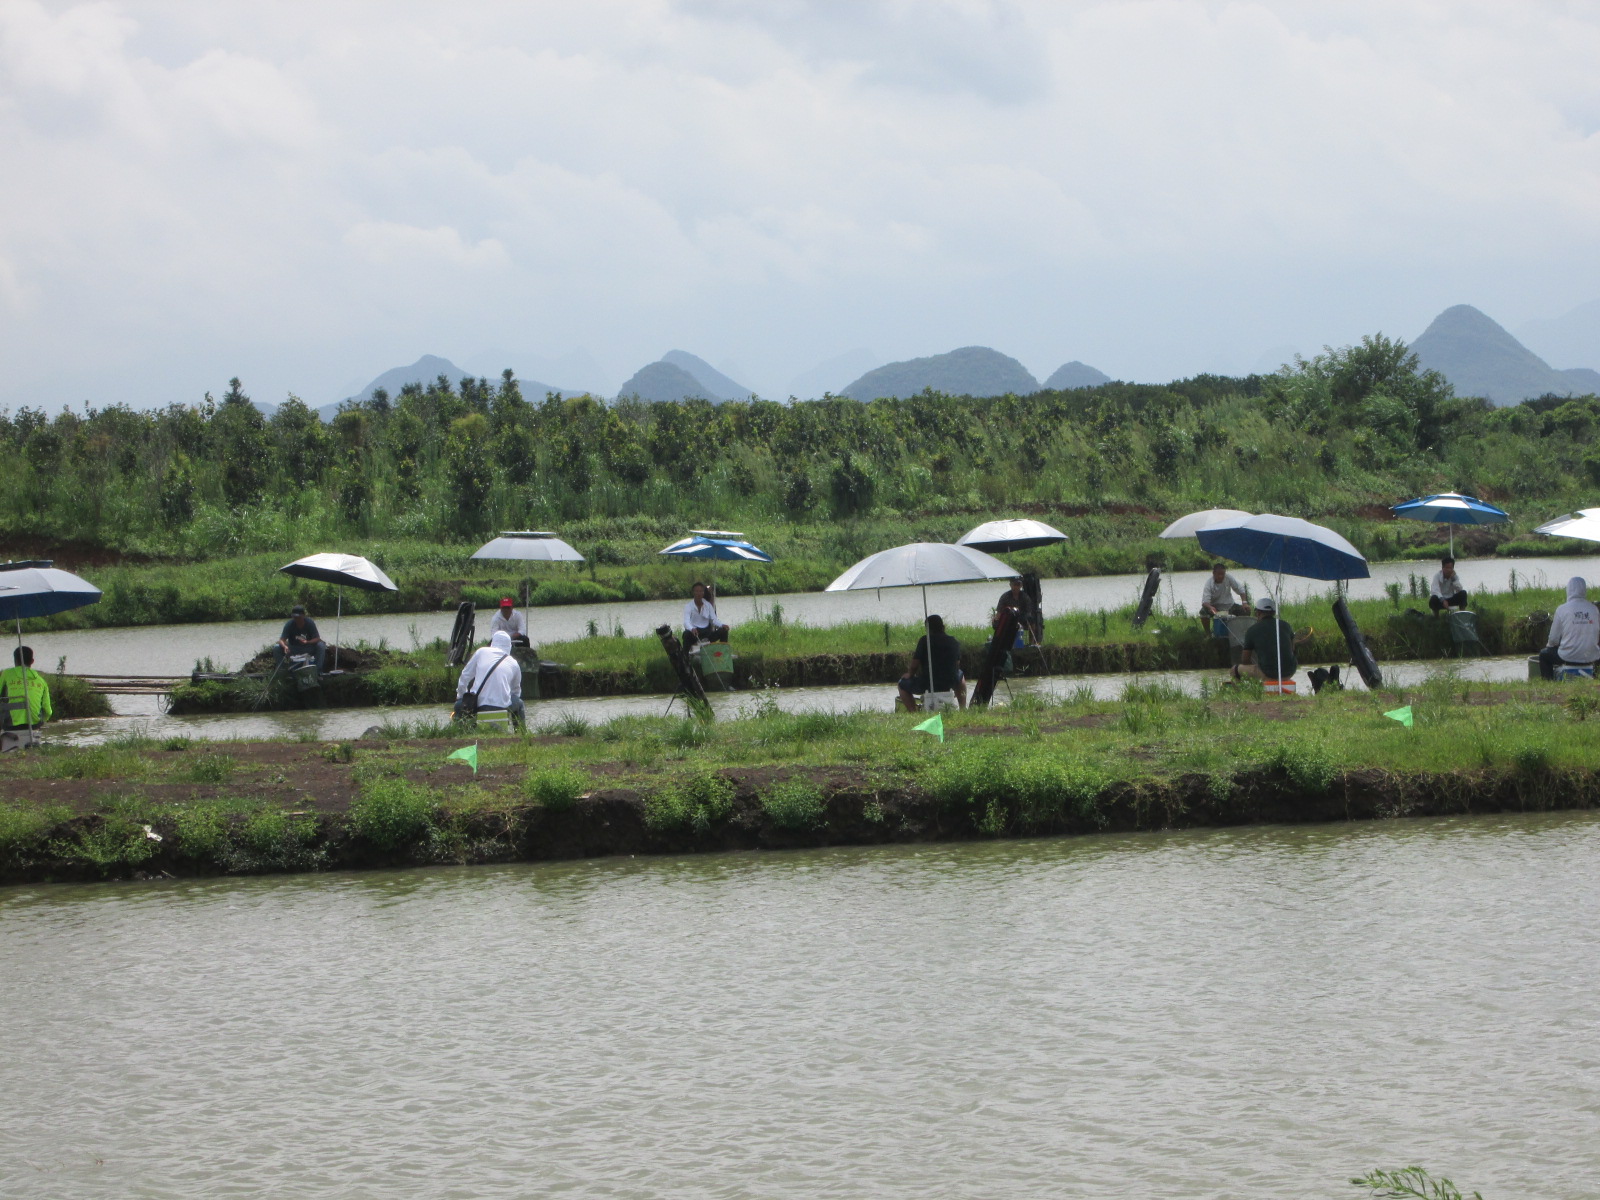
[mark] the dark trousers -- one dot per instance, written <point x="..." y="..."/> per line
<point x="1550" y="658"/>
<point x="1459" y="600"/>
<point x="318" y="651"/>
<point x="714" y="633"/>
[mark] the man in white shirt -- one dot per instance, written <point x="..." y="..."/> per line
<point x="1215" y="596"/>
<point x="700" y="621"/>
<point x="1574" y="632"/>
<point x="1448" y="590"/>
<point x="509" y="621"/>
<point x="496" y="676"/>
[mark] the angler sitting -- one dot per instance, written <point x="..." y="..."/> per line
<point x="509" y="621"/>
<point x="491" y="681"/>
<point x="1446" y="591"/>
<point x="25" y="696"/>
<point x="300" y="636"/>
<point x="1574" y="632"/>
<point x="945" y="675"/>
<point x="700" y="620"/>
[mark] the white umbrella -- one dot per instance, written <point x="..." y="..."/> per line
<point x="1584" y="524"/>
<point x="918" y="565"/>
<point x="345" y="570"/>
<point x="1007" y="535"/>
<point x="527" y="545"/>
<point x="1190" y="525"/>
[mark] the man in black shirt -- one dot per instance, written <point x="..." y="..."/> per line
<point x="300" y="636"/>
<point x="1027" y="611"/>
<point x="946" y="675"/>
<point x="1269" y="645"/>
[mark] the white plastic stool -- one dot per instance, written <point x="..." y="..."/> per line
<point x="495" y="720"/>
<point x="935" y="701"/>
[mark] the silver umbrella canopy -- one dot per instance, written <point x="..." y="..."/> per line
<point x="37" y="588"/>
<point x="1192" y="524"/>
<point x="1014" y="534"/>
<point x="920" y="564"/>
<point x="530" y="545"/>
<point x="1583" y="524"/>
<point x="344" y="570"/>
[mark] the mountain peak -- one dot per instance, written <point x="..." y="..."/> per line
<point x="1481" y="358"/>
<point x="969" y="371"/>
<point x="717" y="385"/>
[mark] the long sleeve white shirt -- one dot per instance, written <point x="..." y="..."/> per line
<point x="702" y="616"/>
<point x="501" y="680"/>
<point x="1220" y="595"/>
<point x="1445" y="588"/>
<point x="516" y="625"/>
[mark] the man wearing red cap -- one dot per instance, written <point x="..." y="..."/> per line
<point x="508" y="620"/>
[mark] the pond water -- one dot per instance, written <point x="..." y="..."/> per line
<point x="174" y="649"/>
<point x="1256" y="1013"/>
<point x="142" y="715"/>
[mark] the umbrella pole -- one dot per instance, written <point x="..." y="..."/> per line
<point x="338" y="622"/>
<point x="27" y="706"/>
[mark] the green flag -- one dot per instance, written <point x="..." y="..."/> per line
<point x="933" y="725"/>
<point x="1403" y="715"/>
<point x="467" y="754"/>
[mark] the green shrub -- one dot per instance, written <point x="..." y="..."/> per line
<point x="177" y="742"/>
<point x="109" y="841"/>
<point x="212" y="768"/>
<point x="692" y="802"/>
<point x="391" y="812"/>
<point x="23" y="830"/>
<point x="794" y="804"/>
<point x="1310" y="768"/>
<point x="690" y="734"/>
<point x="274" y="840"/>
<point x="201" y="831"/>
<point x="555" y="788"/>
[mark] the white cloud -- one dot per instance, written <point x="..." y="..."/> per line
<point x="300" y="191"/>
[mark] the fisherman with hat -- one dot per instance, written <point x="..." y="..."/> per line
<point x="510" y="622"/>
<point x="1269" y="646"/>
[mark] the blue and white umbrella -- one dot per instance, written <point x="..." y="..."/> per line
<point x="719" y="545"/>
<point x="1452" y="509"/>
<point x="1284" y="546"/>
<point x="37" y="589"/>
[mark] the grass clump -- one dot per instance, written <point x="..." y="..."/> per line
<point x="25" y="830"/>
<point x="794" y="804"/>
<point x="391" y="812"/>
<point x="690" y="802"/>
<point x="554" y="788"/>
<point x="212" y="768"/>
<point x="1308" y="765"/>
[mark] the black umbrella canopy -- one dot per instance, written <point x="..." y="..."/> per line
<point x="1002" y="537"/>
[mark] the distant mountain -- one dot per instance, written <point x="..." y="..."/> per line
<point x="1075" y="375"/>
<point x="970" y="371"/>
<point x="833" y="375"/>
<point x="717" y="385"/>
<point x="1570" y="339"/>
<point x="663" y="381"/>
<point x="1480" y="358"/>
<point x="577" y="370"/>
<point x="424" y="371"/>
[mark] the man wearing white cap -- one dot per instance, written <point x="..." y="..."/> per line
<point x="1269" y="646"/>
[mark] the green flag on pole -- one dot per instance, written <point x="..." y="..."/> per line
<point x="933" y="725"/>
<point x="1403" y="715"/>
<point x="467" y="754"/>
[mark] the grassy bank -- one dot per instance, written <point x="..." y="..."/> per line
<point x="625" y="565"/>
<point x="774" y="653"/>
<point x="1152" y="760"/>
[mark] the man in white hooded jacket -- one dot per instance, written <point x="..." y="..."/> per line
<point x="1574" y="632"/>
<point x="496" y="676"/>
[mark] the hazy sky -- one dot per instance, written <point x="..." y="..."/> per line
<point x="305" y="194"/>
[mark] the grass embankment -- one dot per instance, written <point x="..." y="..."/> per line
<point x="625" y="565"/>
<point x="1152" y="760"/>
<point x="771" y="653"/>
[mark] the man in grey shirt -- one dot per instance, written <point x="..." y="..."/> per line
<point x="1216" y="595"/>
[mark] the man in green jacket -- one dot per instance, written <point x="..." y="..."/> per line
<point x="24" y="693"/>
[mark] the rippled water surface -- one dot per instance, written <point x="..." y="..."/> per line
<point x="1257" y="1013"/>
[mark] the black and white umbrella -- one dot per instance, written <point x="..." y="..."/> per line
<point x="1002" y="537"/>
<point x="345" y="570"/>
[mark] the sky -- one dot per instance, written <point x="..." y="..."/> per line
<point x="307" y="194"/>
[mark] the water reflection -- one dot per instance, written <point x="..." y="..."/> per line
<point x="1240" y="1013"/>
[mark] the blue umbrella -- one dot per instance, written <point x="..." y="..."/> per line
<point x="1285" y="546"/>
<point x="1452" y="509"/>
<point x="717" y="544"/>
<point x="38" y="589"/>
